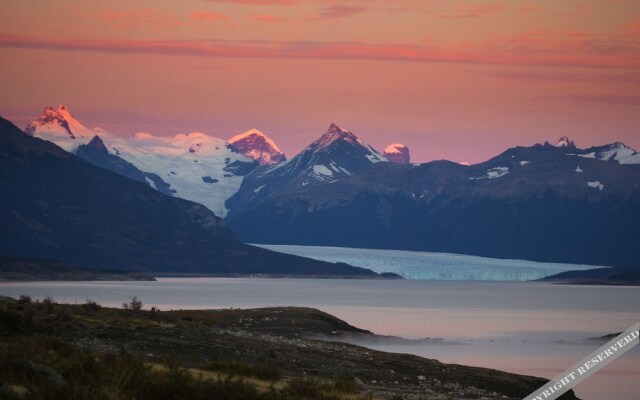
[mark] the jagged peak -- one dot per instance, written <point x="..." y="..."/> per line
<point x="257" y="146"/>
<point x="397" y="153"/>
<point x="619" y="145"/>
<point x="333" y="134"/>
<point x="96" y="140"/>
<point x="58" y="121"/>
<point x="250" y="132"/>
<point x="61" y="110"/>
<point x="253" y="132"/>
<point x="95" y="145"/>
<point x="395" y="148"/>
<point x="564" y="141"/>
<point x="336" y="134"/>
<point x="336" y="127"/>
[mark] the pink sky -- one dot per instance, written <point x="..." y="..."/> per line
<point x="458" y="80"/>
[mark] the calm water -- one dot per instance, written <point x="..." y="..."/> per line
<point x="528" y="328"/>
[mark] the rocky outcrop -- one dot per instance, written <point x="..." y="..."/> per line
<point x="397" y="153"/>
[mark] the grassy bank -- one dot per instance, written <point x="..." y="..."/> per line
<point x="60" y="351"/>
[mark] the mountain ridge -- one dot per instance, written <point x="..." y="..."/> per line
<point x="195" y="166"/>
<point x="519" y="204"/>
<point x="60" y="207"/>
<point x="257" y="146"/>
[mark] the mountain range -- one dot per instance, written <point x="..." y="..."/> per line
<point x="194" y="166"/>
<point x="548" y="202"/>
<point x="57" y="206"/>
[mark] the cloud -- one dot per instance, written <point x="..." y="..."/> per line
<point x="525" y="52"/>
<point x="136" y="17"/>
<point x="632" y="29"/>
<point x="259" y="2"/>
<point x="337" y="8"/>
<point x="340" y="11"/>
<point x="578" y="11"/>
<point x="209" y="16"/>
<point x="269" y="18"/>
<point x="528" y="8"/>
<point x="614" y="99"/>
<point x="475" y="10"/>
<point x="629" y="78"/>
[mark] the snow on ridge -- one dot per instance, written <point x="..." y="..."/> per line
<point x="255" y="132"/>
<point x="588" y="155"/>
<point x="493" y="173"/>
<point x="322" y="170"/>
<point x="565" y="142"/>
<point x="322" y="173"/>
<point x="395" y="148"/>
<point x="524" y="162"/>
<point x="497" y="172"/>
<point x="57" y="125"/>
<point x="180" y="160"/>
<point x="335" y="133"/>
<point x="618" y="152"/>
<point x="397" y="153"/>
<point x="596" y="185"/>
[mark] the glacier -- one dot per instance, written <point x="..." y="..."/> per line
<point x="431" y="266"/>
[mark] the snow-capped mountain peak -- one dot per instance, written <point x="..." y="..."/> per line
<point x="257" y="146"/>
<point x="397" y="153"/>
<point x="333" y="134"/>
<point x="195" y="166"/>
<point x="565" y="142"/>
<point x="58" y="125"/>
<point x="338" y="153"/>
<point x="616" y="152"/>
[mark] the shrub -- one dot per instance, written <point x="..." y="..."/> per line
<point x="134" y="305"/>
<point x="113" y="376"/>
<point x="345" y="385"/>
<point x="24" y="299"/>
<point x="91" y="306"/>
<point x="244" y="369"/>
<point x="304" y="388"/>
<point x="48" y="303"/>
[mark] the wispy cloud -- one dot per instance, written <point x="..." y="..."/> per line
<point x="269" y="18"/>
<point x="627" y="100"/>
<point x="633" y="29"/>
<point x="209" y="16"/>
<point x="339" y="11"/>
<point x="475" y="10"/>
<point x="259" y="2"/>
<point x="337" y="8"/>
<point x="577" y="10"/>
<point x="628" y="78"/>
<point x="579" y="53"/>
<point x="136" y="17"/>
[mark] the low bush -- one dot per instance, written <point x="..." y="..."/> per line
<point x="244" y="369"/>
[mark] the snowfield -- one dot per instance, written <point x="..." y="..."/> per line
<point x="431" y="266"/>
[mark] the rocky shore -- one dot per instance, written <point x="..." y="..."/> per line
<point x="282" y="340"/>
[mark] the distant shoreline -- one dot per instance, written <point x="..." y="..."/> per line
<point x="598" y="276"/>
<point x="44" y="270"/>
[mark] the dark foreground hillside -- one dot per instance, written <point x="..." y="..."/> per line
<point x="55" y="351"/>
<point x="56" y="206"/>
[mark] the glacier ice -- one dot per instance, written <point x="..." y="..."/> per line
<point x="431" y="266"/>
